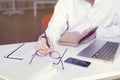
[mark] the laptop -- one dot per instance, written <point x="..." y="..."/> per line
<point x="100" y="49"/>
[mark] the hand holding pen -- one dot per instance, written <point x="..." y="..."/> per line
<point x="43" y="46"/>
<point x="46" y="38"/>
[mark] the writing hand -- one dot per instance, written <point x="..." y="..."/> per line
<point x="43" y="47"/>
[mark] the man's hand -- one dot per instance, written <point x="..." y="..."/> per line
<point x="91" y="37"/>
<point x="42" y="46"/>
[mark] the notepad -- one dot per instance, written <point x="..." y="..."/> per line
<point x="74" y="38"/>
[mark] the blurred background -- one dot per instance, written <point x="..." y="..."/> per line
<point x="20" y="20"/>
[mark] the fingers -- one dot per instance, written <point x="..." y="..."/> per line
<point x="42" y="46"/>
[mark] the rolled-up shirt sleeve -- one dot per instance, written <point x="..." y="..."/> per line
<point x="58" y="22"/>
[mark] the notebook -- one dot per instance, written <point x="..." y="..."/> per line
<point x="74" y="38"/>
<point x="100" y="49"/>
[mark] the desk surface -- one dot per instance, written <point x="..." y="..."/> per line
<point x="42" y="68"/>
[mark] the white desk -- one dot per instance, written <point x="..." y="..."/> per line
<point x="43" y="69"/>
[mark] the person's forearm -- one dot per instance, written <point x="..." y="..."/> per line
<point x="57" y="24"/>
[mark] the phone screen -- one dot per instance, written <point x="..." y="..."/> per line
<point x="77" y="62"/>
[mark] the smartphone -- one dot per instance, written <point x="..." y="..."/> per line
<point x="77" y="62"/>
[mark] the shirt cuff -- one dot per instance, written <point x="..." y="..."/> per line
<point x="40" y="36"/>
<point x="43" y="35"/>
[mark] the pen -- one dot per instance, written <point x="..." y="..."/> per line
<point x="46" y="38"/>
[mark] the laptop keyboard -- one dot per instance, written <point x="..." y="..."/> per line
<point x="101" y="50"/>
<point x="107" y="52"/>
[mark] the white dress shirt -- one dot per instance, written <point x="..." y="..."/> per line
<point x="78" y="15"/>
